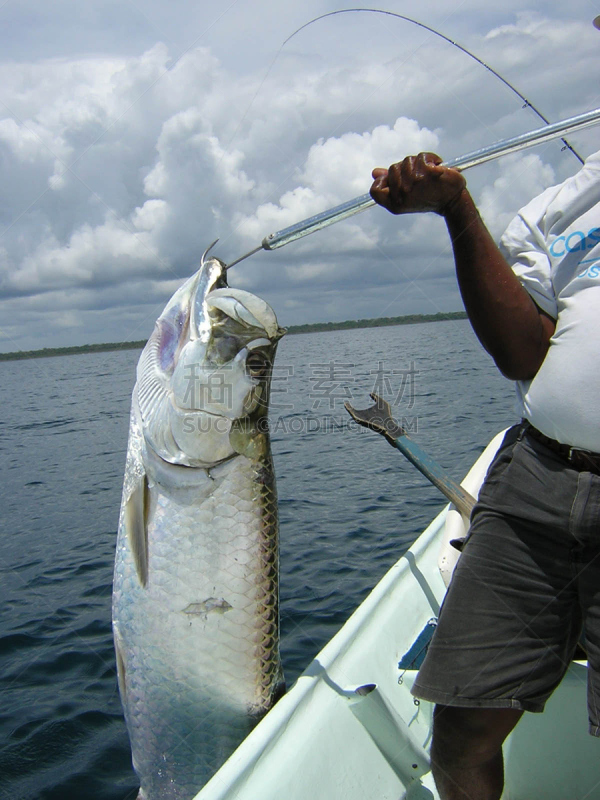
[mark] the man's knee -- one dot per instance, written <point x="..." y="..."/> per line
<point x="470" y="736"/>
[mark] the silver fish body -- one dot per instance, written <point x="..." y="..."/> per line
<point x="195" y="596"/>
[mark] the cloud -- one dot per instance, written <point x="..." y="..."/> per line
<point x="120" y="168"/>
<point x="335" y="170"/>
<point x="521" y="178"/>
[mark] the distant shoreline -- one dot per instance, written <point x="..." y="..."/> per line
<point x="315" y="327"/>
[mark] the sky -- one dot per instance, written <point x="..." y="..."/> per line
<point x="134" y="134"/>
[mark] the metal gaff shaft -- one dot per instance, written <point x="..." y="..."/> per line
<point x="313" y="224"/>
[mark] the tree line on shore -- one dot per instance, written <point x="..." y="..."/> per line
<point x="313" y="327"/>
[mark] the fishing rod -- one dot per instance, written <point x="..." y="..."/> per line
<point x="526" y="102"/>
<point x="274" y="241"/>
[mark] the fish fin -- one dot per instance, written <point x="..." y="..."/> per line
<point x="136" y="525"/>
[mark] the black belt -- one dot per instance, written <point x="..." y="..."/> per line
<point x="581" y="460"/>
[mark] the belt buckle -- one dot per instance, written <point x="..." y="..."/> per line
<point x="584" y="460"/>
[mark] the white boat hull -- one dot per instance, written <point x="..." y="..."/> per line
<point x="323" y="740"/>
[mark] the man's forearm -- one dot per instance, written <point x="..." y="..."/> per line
<point x="508" y="323"/>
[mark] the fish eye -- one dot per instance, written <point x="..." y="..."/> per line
<point x="257" y="364"/>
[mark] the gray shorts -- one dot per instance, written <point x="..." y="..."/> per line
<point x="527" y="581"/>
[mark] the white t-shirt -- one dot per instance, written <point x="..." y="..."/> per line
<point x="553" y="245"/>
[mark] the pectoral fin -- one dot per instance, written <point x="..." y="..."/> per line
<point x="136" y="525"/>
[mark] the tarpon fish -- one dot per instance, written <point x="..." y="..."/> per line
<point x="195" y="598"/>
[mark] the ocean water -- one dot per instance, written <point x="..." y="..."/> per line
<point x="350" y="505"/>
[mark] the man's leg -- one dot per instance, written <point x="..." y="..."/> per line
<point x="466" y="751"/>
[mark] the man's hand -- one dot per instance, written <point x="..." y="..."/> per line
<point x="418" y="183"/>
<point x="508" y="323"/>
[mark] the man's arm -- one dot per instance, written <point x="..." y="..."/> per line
<point x="511" y="327"/>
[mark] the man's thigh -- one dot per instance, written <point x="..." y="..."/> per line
<point x="511" y="617"/>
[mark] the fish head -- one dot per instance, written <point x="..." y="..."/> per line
<point x="204" y="377"/>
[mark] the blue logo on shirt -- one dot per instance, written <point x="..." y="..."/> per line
<point x="592" y="271"/>
<point x="576" y="241"/>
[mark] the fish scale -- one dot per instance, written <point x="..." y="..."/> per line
<point x="224" y="660"/>
<point x="195" y="596"/>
